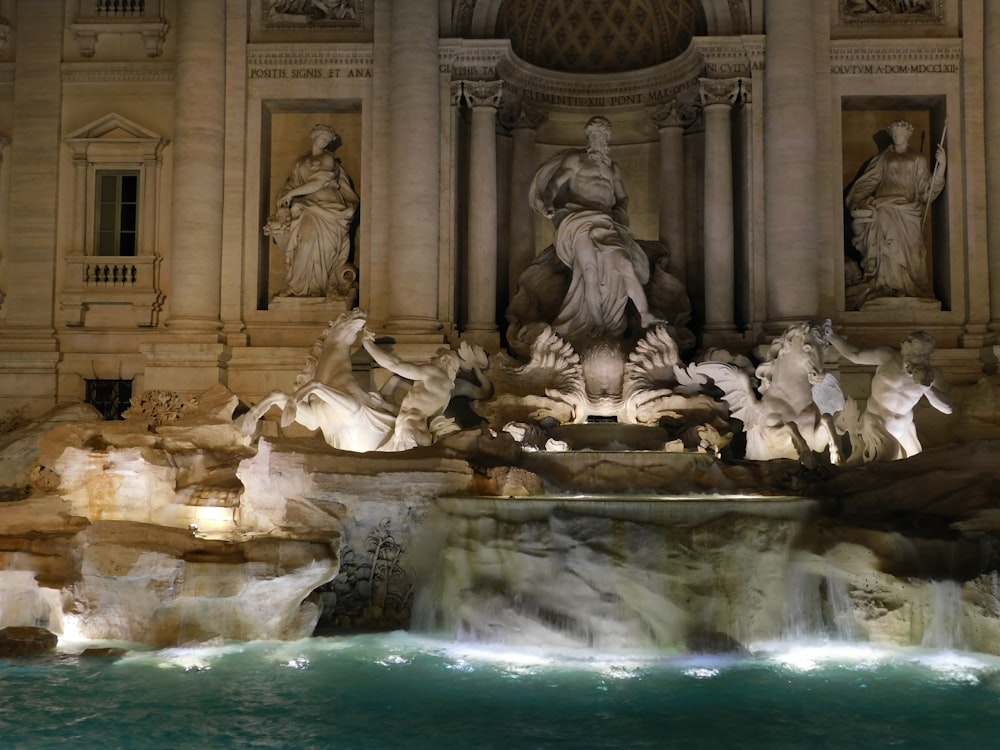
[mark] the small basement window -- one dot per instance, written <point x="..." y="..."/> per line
<point x="110" y="397"/>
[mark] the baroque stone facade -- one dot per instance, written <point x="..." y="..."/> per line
<point x="168" y="132"/>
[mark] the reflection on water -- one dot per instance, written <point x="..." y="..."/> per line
<point x="397" y="690"/>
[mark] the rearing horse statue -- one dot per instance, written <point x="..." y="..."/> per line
<point x="790" y="414"/>
<point x="328" y="398"/>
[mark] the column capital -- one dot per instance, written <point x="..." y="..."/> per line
<point x="520" y="115"/>
<point x="673" y="114"/>
<point x="481" y="93"/>
<point x="727" y="91"/>
<point x="457" y="94"/>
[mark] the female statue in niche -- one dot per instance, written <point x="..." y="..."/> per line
<point x="312" y="224"/>
<point x="888" y="204"/>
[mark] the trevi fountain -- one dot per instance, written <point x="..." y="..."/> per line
<point x="617" y="522"/>
<point x="600" y="490"/>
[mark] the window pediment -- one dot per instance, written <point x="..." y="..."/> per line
<point x="113" y="129"/>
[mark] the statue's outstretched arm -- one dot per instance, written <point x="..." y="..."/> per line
<point x="857" y="355"/>
<point x="938" y="396"/>
<point x="390" y="361"/>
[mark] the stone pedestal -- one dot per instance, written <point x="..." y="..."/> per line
<point x="189" y="369"/>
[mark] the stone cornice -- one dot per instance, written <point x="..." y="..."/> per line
<point x="473" y="59"/>
<point x="641" y="88"/>
<point x="297" y="55"/>
<point x="892" y="56"/>
<point x="755" y="46"/>
<point x="132" y="72"/>
<point x="727" y="56"/>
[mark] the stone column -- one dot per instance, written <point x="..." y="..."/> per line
<point x="199" y="147"/>
<point x="991" y="65"/>
<point x="524" y="120"/>
<point x="791" y="172"/>
<point x="193" y="359"/>
<point x="481" y="266"/>
<point x="414" y="164"/>
<point x="717" y="98"/>
<point x="672" y="119"/>
<point x="28" y="348"/>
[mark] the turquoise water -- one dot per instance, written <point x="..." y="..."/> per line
<point x="401" y="691"/>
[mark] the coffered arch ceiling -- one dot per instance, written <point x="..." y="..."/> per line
<point x="598" y="36"/>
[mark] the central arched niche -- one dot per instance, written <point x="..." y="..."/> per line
<point x="599" y="36"/>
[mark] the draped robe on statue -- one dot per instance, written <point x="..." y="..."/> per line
<point x="600" y="252"/>
<point x="888" y="202"/>
<point x="317" y="241"/>
<point x="604" y="258"/>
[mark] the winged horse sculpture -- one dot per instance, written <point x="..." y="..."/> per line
<point x="790" y="413"/>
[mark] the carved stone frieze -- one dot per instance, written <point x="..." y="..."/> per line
<point x="636" y="89"/>
<point x="473" y="59"/>
<point x="289" y="61"/>
<point x="891" y="57"/>
<point x="891" y="11"/>
<point x="317" y="14"/>
<point x="754" y="47"/>
<point x="94" y="72"/>
<point x="723" y="56"/>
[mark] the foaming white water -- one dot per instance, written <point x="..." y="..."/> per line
<point x="944" y="664"/>
<point x="24" y="603"/>
<point x="945" y="630"/>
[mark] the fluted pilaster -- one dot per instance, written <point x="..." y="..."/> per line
<point x="672" y="119"/>
<point x="524" y="120"/>
<point x="481" y="275"/>
<point x="717" y="99"/>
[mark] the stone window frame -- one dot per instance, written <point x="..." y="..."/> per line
<point x="117" y="203"/>
<point x="114" y="143"/>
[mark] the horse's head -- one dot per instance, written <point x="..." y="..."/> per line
<point x="799" y="351"/>
<point x="344" y="329"/>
